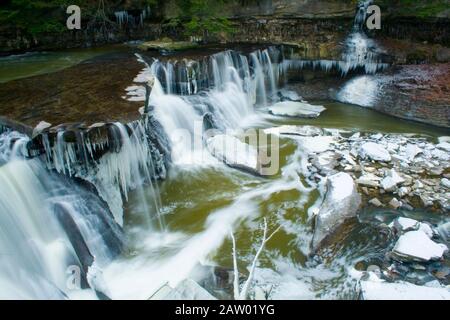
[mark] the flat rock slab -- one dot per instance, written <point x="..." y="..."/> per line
<point x="417" y="246"/>
<point x="380" y="290"/>
<point x="296" y="109"/>
<point x="168" y="45"/>
<point x="88" y="92"/>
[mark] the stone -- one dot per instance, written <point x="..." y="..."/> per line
<point x="405" y="224"/>
<point x="395" y="204"/>
<point x="412" y="151"/>
<point x="41" y="126"/>
<point x="341" y="202"/>
<point x="368" y="180"/>
<point x="187" y="289"/>
<point x="296" y="109"/>
<point x="403" y="191"/>
<point x="375" y="152"/>
<point x="289" y="95"/>
<point x="234" y="153"/>
<point x="444" y="146"/>
<point x="418" y="185"/>
<point x="382" y="290"/>
<point x="375" y="202"/>
<point x="306" y="131"/>
<point x="417" y="246"/>
<point x="445" y="182"/>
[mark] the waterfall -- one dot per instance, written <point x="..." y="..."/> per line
<point x="235" y="83"/>
<point x="361" y="52"/>
<point x="123" y="18"/>
<point x="361" y="90"/>
<point x="47" y="225"/>
<point x="188" y="77"/>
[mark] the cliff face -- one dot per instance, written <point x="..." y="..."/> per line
<point x="316" y="25"/>
<point x="300" y="9"/>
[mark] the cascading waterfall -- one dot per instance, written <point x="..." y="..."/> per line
<point x="360" y="52"/>
<point x="47" y="224"/>
<point x="189" y="77"/>
<point x="133" y="160"/>
<point x="236" y="84"/>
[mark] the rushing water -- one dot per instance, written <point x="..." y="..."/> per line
<point x="179" y="227"/>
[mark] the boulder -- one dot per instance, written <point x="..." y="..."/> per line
<point x="234" y="153"/>
<point x="296" y="109"/>
<point x="341" y="202"/>
<point x="374" y="151"/>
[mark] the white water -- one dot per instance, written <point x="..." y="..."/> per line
<point x="34" y="249"/>
<point x="362" y="91"/>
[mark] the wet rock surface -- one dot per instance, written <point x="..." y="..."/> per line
<point x="88" y="92"/>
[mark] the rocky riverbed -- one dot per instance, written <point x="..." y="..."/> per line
<point x="396" y="171"/>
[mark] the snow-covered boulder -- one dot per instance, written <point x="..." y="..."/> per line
<point x="417" y="246"/>
<point x="234" y="152"/>
<point x="341" y="202"/>
<point x="392" y="179"/>
<point x="374" y="151"/>
<point x="306" y="131"/>
<point x="382" y="290"/>
<point x="296" y="109"/>
<point x="315" y="144"/>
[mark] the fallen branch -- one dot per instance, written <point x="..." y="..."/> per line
<point x="242" y="295"/>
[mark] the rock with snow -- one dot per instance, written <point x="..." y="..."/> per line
<point x="41" y="126"/>
<point x="444" y="146"/>
<point x="289" y="95"/>
<point x="234" y="152"/>
<point x="382" y="290"/>
<point x="375" y="202"/>
<point x="369" y="180"/>
<point x="315" y="144"/>
<point x="306" y="131"/>
<point x="187" y="289"/>
<point x="444" y="139"/>
<point x="374" y="151"/>
<point x="296" y="109"/>
<point x="395" y="204"/>
<point x="445" y="182"/>
<point x="417" y="246"/>
<point x="405" y="224"/>
<point x="392" y="179"/>
<point x="341" y="202"/>
<point x="325" y="161"/>
<point x="403" y="191"/>
<point x="411" y="151"/>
